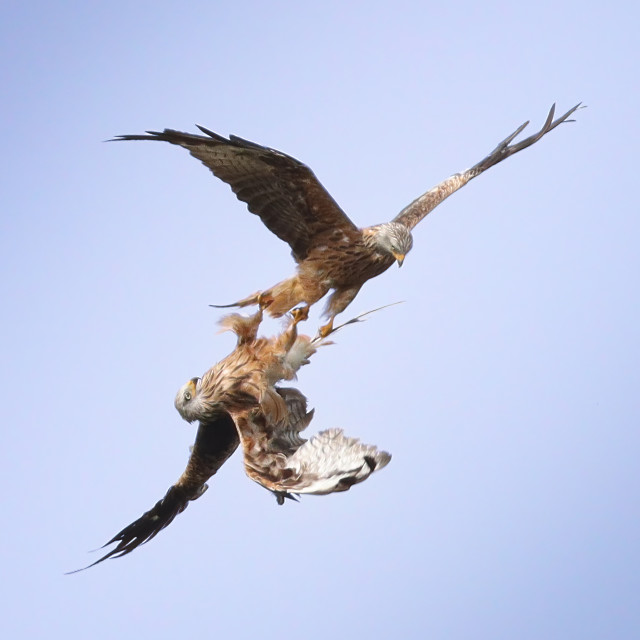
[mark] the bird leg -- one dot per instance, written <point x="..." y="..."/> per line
<point x="281" y="495"/>
<point x="326" y="329"/>
<point x="264" y="300"/>
<point x="291" y="334"/>
<point x="300" y="314"/>
<point x="339" y="300"/>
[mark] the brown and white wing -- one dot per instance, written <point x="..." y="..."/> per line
<point x="330" y="462"/>
<point x="419" y="208"/>
<point x="281" y="190"/>
<point x="215" y="442"/>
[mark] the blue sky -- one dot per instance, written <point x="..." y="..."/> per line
<point x="506" y="386"/>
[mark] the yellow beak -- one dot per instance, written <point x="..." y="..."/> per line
<point x="399" y="257"/>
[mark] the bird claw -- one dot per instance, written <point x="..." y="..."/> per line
<point x="281" y="495"/>
<point x="300" y="314"/>
<point x="326" y="330"/>
<point x="264" y="300"/>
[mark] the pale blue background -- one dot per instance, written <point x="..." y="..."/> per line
<point x="506" y="386"/>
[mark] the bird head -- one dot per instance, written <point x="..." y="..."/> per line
<point x="395" y="239"/>
<point x="186" y="401"/>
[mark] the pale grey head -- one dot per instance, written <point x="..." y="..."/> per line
<point x="393" y="238"/>
<point x="188" y="402"/>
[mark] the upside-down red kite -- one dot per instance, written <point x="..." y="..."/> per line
<point x="236" y="402"/>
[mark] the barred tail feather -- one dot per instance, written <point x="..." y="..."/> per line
<point x="332" y="462"/>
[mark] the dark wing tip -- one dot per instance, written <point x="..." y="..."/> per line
<point x="215" y="442"/>
<point x="212" y="134"/>
<point x="150" y="135"/>
<point x="174" y="136"/>
<point x="149" y="524"/>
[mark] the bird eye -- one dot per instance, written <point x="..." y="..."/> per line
<point x="187" y="395"/>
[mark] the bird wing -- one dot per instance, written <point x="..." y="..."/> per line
<point x="419" y="208"/>
<point x="215" y="442"/>
<point x="283" y="191"/>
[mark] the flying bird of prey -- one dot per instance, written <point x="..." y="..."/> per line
<point x="331" y="251"/>
<point x="236" y="402"/>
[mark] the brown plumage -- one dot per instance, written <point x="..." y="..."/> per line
<point x="331" y="251"/>
<point x="245" y="379"/>
<point x="236" y="401"/>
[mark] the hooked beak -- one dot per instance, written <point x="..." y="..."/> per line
<point x="399" y="257"/>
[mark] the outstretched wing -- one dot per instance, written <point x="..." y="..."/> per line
<point x="284" y="192"/>
<point x="419" y="208"/>
<point x="215" y="442"/>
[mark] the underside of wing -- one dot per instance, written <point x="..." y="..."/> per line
<point x="215" y="442"/>
<point x="282" y="191"/>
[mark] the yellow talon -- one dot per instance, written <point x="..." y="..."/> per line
<point x="326" y="330"/>
<point x="264" y="300"/>
<point x="300" y="313"/>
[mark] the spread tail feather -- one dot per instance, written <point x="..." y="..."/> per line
<point x="332" y="462"/>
